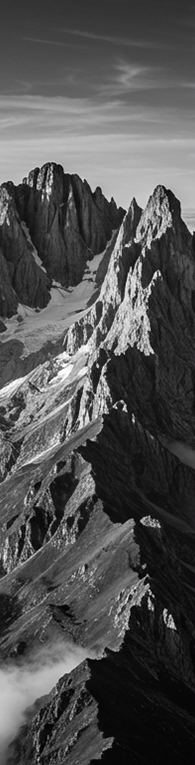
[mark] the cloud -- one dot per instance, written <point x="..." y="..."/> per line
<point x="113" y="40"/>
<point x="22" y="684"/>
<point x="129" y="73"/>
<point x="129" y="77"/>
<point x="125" y="146"/>
<point x="72" y="115"/>
<point x="105" y="38"/>
<point x="50" y="42"/>
<point x="13" y="121"/>
<point x="190" y="84"/>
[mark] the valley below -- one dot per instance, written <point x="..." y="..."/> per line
<point x="97" y="476"/>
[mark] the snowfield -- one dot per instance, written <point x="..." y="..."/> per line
<point x="35" y="327"/>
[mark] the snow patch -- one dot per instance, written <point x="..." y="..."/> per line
<point x="12" y="387"/>
<point x="61" y="375"/>
<point x="82" y="372"/>
<point x="64" y="308"/>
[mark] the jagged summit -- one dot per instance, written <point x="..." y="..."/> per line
<point x="97" y="437"/>
<point x="151" y="242"/>
<point x="67" y="225"/>
<point x="162" y="210"/>
<point x="146" y="304"/>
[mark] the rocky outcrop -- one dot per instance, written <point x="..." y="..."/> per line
<point x="21" y="278"/>
<point x="68" y="224"/>
<point x="14" y="363"/>
<point x="147" y="314"/>
<point x="8" y="297"/>
<point x="84" y="722"/>
<point x="119" y="571"/>
<point x="118" y="258"/>
<point x="97" y="534"/>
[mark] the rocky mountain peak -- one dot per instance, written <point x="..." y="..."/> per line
<point x="97" y="446"/>
<point x="151" y="266"/>
<point x="66" y="225"/>
<point x="49" y="181"/>
<point x="162" y="211"/>
<point x="64" y="240"/>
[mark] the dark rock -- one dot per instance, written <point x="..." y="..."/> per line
<point x="22" y="279"/>
<point x="68" y="224"/>
<point x="2" y="327"/>
<point x="8" y="297"/>
<point x="87" y="722"/>
<point x="98" y="512"/>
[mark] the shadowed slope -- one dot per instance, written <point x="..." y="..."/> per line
<point x="98" y="526"/>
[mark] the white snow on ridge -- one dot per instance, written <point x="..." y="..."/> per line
<point x="10" y="388"/>
<point x="75" y="369"/>
<point x="82" y="372"/>
<point x="61" y="375"/>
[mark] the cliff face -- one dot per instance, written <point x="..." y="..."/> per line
<point x="118" y="571"/>
<point x="8" y="298"/>
<point x="147" y="312"/>
<point x="21" y="278"/>
<point x="68" y="225"/>
<point x="97" y="510"/>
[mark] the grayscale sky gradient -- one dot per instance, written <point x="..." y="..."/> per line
<point x="104" y="87"/>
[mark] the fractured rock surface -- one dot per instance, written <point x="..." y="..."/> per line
<point x="97" y="509"/>
<point x="68" y="225"/>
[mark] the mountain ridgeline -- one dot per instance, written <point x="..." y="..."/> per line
<point x="57" y="214"/>
<point x="97" y="492"/>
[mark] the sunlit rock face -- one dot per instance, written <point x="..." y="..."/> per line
<point x="147" y="323"/>
<point x="97" y="509"/>
<point x="111" y="274"/>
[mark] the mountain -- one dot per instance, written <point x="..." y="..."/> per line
<point x="98" y="482"/>
<point x="50" y="225"/>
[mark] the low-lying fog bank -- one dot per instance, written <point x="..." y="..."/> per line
<point x="21" y="684"/>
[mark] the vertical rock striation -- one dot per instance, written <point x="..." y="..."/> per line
<point x="67" y="222"/>
<point x="21" y="278"/>
<point x="68" y="225"/>
<point x="97" y="532"/>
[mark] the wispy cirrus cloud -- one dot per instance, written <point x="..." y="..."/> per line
<point x="126" y="77"/>
<point x="112" y="143"/>
<point x="13" y="121"/>
<point x="51" y="42"/>
<point x="190" y="84"/>
<point x="72" y="114"/>
<point x="130" y="75"/>
<point x="124" y="165"/>
<point x="113" y="39"/>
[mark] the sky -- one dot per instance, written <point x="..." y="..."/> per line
<point x="106" y="88"/>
